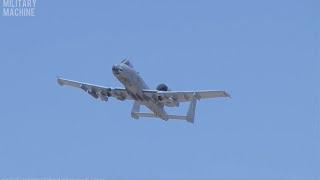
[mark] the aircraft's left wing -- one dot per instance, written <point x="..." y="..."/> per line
<point x="97" y="91"/>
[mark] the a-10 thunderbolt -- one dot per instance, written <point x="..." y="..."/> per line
<point x="136" y="89"/>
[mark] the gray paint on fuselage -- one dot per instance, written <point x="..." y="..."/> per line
<point x="134" y="85"/>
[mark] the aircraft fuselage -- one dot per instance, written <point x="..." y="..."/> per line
<point x="135" y="85"/>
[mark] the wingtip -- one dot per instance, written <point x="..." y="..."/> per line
<point x="59" y="81"/>
<point x="227" y="94"/>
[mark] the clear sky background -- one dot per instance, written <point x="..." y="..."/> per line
<point x="264" y="53"/>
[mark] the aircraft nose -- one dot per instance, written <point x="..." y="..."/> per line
<point x="116" y="69"/>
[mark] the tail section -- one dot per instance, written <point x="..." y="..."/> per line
<point x="192" y="109"/>
<point x="135" y="113"/>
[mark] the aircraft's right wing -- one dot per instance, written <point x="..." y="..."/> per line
<point x="173" y="98"/>
<point x="97" y="91"/>
<point x="184" y="96"/>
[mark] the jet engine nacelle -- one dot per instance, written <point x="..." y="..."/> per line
<point x="170" y="102"/>
<point x="162" y="87"/>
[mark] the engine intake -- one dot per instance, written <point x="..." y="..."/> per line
<point x="162" y="87"/>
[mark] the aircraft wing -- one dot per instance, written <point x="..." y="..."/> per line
<point x="97" y="91"/>
<point x="184" y="96"/>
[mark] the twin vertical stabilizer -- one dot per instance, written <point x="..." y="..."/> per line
<point x="135" y="113"/>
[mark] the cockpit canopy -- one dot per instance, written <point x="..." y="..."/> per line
<point x="127" y="62"/>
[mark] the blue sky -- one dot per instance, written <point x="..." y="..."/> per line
<point x="264" y="53"/>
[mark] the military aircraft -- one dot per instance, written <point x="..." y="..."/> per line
<point x="136" y="89"/>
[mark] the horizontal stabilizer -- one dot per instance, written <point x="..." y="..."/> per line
<point x="151" y="115"/>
